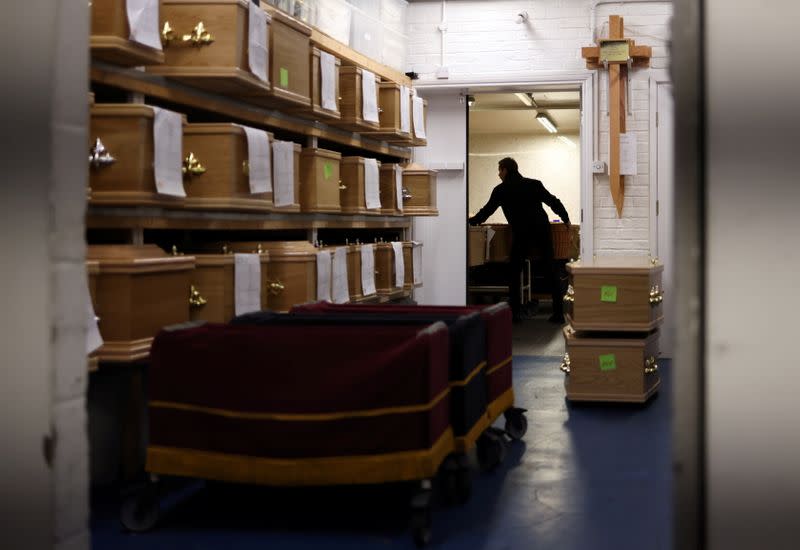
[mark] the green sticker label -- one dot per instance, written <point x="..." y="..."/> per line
<point x="608" y="362"/>
<point x="284" y="77"/>
<point x="608" y="293"/>
<point x="327" y="170"/>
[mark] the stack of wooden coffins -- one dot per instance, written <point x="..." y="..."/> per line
<point x="614" y="308"/>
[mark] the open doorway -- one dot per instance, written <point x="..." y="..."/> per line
<point x="541" y="130"/>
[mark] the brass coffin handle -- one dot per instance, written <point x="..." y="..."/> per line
<point x="342" y="186"/>
<point x="199" y="36"/>
<point x="99" y="155"/>
<point x="656" y="296"/>
<point x="570" y="295"/>
<point x="275" y="287"/>
<point x="192" y="166"/>
<point x="565" y="365"/>
<point x="406" y="195"/>
<point x="195" y="299"/>
<point x="167" y="34"/>
<point x="650" y="365"/>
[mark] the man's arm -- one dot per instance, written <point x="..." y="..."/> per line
<point x="556" y="205"/>
<point x="488" y="209"/>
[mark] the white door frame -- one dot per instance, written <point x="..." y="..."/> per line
<point x="585" y="81"/>
<point x="657" y="76"/>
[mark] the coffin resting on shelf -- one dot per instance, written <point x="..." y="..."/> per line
<point x="497" y="321"/>
<point x="110" y="39"/>
<point x="385" y="273"/>
<point x="288" y="413"/>
<point x="354" y="281"/>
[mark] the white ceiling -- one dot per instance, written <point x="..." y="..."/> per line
<point x="505" y="113"/>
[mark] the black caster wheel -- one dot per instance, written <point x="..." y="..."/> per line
<point x="421" y="527"/>
<point x="140" y="511"/>
<point x="516" y="423"/>
<point x="491" y="450"/>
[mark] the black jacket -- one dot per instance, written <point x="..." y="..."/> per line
<point x="521" y="200"/>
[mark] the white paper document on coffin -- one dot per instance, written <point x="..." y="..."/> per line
<point x="405" y="105"/>
<point x="341" y="290"/>
<point x="416" y="254"/>
<point x="247" y="283"/>
<point x="283" y="172"/>
<point x="398" y="186"/>
<point x="369" y="96"/>
<point x="489" y="236"/>
<point x="328" y="81"/>
<point x="419" y="117"/>
<point x="168" y="151"/>
<point x="324" y="275"/>
<point x="367" y="270"/>
<point x="259" y="163"/>
<point x="399" y="266"/>
<point x="143" y="22"/>
<point x="257" y="41"/>
<point x="372" y="186"/>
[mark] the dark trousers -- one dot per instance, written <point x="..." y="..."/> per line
<point x="540" y="245"/>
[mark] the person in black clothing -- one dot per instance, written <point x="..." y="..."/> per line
<point x="521" y="200"/>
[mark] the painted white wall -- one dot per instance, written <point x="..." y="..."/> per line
<point x="444" y="252"/>
<point x="485" y="44"/>
<point x="545" y="158"/>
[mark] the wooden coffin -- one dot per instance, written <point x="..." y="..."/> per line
<point x="292" y="271"/>
<point x="566" y="243"/>
<point x="610" y="367"/>
<point x="389" y="115"/>
<point x="500" y="245"/>
<point x="319" y="181"/>
<point x="389" y="204"/>
<point x="295" y="206"/>
<point x="385" y="272"/>
<point x="212" y="292"/>
<point x="140" y="289"/>
<point x="351" y="103"/>
<point x="408" y="266"/>
<point x="127" y="178"/>
<point x="110" y="36"/>
<point x="419" y="191"/>
<point x="352" y="194"/>
<point x="615" y="293"/>
<point x="289" y="61"/>
<point x="221" y="148"/>
<point x="208" y="46"/>
<point x="354" y="276"/>
<point x="476" y="249"/>
<point x="315" y="109"/>
<point x="417" y="141"/>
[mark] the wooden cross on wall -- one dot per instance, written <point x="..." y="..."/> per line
<point x="618" y="55"/>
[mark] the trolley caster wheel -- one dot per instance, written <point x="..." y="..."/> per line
<point x="140" y="511"/>
<point x="421" y="527"/>
<point x="516" y="423"/>
<point x="491" y="450"/>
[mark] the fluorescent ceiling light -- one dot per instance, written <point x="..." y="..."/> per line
<point x="525" y="98"/>
<point x="545" y="121"/>
<point x="566" y="140"/>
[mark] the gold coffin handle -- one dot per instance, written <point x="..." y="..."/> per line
<point x="406" y="195"/>
<point x="167" y="34"/>
<point x="195" y="299"/>
<point x="342" y="186"/>
<point x="570" y="295"/>
<point x="650" y="365"/>
<point x="565" y="365"/>
<point x="656" y="295"/>
<point x="275" y="287"/>
<point x="99" y="155"/>
<point x="192" y="166"/>
<point x="199" y="36"/>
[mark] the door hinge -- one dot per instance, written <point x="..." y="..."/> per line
<point x="656" y="119"/>
<point x="581" y="215"/>
<point x="657" y="208"/>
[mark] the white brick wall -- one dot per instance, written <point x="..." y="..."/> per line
<point x="484" y="43"/>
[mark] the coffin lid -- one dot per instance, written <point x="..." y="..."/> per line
<point x="316" y="151"/>
<point x="286" y="19"/>
<point x="92" y="267"/>
<point x="130" y="257"/>
<point x="389" y="166"/>
<point x="413" y="168"/>
<point x="348" y="69"/>
<point x="315" y="53"/>
<point x="355" y="160"/>
<point x="216" y="128"/>
<point x="389" y="84"/>
<point x="276" y="248"/>
<point x="619" y="265"/>
<point x="209" y="260"/>
<point x="608" y="339"/>
<point x="121" y="109"/>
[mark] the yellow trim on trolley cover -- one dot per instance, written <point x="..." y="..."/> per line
<point x="471" y="375"/>
<point x="501" y="404"/>
<point x="499" y="365"/>
<point x="299" y="417"/>
<point x="337" y="470"/>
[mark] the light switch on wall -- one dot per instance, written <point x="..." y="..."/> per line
<point x="598" y="167"/>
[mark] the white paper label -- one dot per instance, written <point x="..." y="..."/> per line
<point x="283" y="172"/>
<point x="405" y="105"/>
<point x="143" y="22"/>
<point x="399" y="266"/>
<point x="247" y="283"/>
<point x="327" y="65"/>
<point x="416" y="253"/>
<point x="372" y="186"/>
<point x="419" y="117"/>
<point x="324" y="276"/>
<point x="257" y="41"/>
<point x="398" y="184"/>
<point x="168" y="152"/>
<point x="93" y="338"/>
<point x="627" y="154"/>
<point x="341" y="290"/>
<point x="369" y="96"/>
<point x="367" y="269"/>
<point x="489" y="236"/>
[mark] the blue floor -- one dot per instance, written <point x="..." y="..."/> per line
<point x="586" y="477"/>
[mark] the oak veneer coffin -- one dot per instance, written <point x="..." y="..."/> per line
<point x="353" y="188"/>
<point x="419" y="191"/>
<point x="389" y="101"/>
<point x="289" y="61"/>
<point x="110" y="36"/>
<point x="385" y="272"/>
<point x="139" y="290"/>
<point x="354" y="280"/>
<point x="388" y="190"/>
<point x="351" y="104"/>
<point x="319" y="181"/>
<point x="315" y="109"/>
